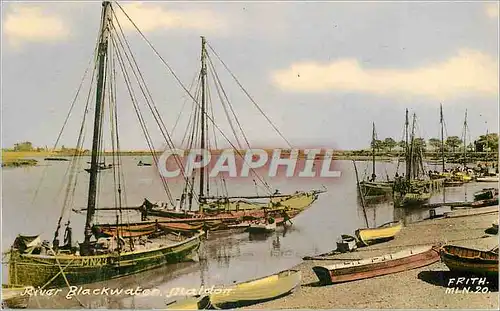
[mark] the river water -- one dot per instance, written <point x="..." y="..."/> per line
<point x="32" y="197"/>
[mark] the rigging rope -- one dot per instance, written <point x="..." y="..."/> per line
<point x="148" y="98"/>
<point x="249" y="96"/>
<point x="177" y="79"/>
<point x="137" y="111"/>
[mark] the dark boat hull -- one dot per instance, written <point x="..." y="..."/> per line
<point x="467" y="260"/>
<point x="484" y="203"/>
<point x="39" y="270"/>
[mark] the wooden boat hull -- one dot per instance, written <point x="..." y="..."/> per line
<point x="13" y="298"/>
<point x="375" y="188"/>
<point x="38" y="270"/>
<point x="125" y="231"/>
<point x="484" y="203"/>
<point x="246" y="293"/>
<point x="259" y="290"/>
<point x="376" y="235"/>
<point x="222" y="222"/>
<point x="485" y="194"/>
<point x="261" y="228"/>
<point x="413" y="199"/>
<point x="377" y="266"/>
<point x="487" y="179"/>
<point x="467" y="260"/>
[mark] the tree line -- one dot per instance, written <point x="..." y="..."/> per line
<point x="483" y="143"/>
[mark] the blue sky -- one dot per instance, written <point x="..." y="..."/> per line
<point x="322" y="72"/>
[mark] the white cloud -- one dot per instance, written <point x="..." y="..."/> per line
<point x="150" y="17"/>
<point x="468" y="72"/>
<point x="492" y="10"/>
<point x="29" y="23"/>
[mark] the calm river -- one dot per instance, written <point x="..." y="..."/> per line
<point x="31" y="204"/>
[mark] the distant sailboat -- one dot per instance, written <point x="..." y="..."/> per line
<point x="372" y="187"/>
<point x="414" y="188"/>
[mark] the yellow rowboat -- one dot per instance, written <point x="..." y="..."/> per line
<point x="246" y="293"/>
<point x="382" y="233"/>
<point x="462" y="176"/>
<point x="468" y="260"/>
<point x="14" y="297"/>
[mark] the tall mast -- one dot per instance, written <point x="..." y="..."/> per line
<point x="465" y="139"/>
<point x="442" y="136"/>
<point x="203" y="102"/>
<point x="373" y="152"/>
<point x="407" y="149"/>
<point x="96" y="145"/>
<point x="412" y="145"/>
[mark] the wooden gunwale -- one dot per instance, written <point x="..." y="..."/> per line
<point x="331" y="274"/>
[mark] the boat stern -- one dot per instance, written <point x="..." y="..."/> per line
<point x="323" y="274"/>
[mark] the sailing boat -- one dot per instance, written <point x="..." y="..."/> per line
<point x="36" y="263"/>
<point x="367" y="236"/>
<point x="464" y="175"/>
<point x="449" y="180"/>
<point x="221" y="211"/>
<point x="372" y="187"/>
<point x="412" y="189"/>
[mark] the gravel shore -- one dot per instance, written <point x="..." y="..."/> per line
<point x="419" y="288"/>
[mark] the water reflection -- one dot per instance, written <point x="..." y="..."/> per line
<point x="224" y="259"/>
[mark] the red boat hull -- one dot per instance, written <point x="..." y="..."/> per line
<point x="332" y="276"/>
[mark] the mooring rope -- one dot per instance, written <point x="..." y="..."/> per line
<point x="64" y="275"/>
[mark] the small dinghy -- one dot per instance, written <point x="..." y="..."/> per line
<point x="371" y="267"/>
<point x="468" y="260"/>
<point x="13" y="297"/>
<point x="244" y="294"/>
<point x="382" y="233"/>
<point x="264" y="227"/>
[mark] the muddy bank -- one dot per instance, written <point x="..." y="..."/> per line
<point x="420" y="288"/>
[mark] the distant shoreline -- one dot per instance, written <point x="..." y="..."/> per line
<point x="31" y="158"/>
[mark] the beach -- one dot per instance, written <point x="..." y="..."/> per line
<point x="414" y="289"/>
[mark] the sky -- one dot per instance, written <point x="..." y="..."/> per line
<point x="322" y="72"/>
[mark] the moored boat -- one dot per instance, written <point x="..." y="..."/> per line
<point x="56" y="159"/>
<point x="373" y="187"/>
<point x="486" y="193"/>
<point x="32" y="262"/>
<point x="484" y="203"/>
<point x="263" y="227"/>
<point x="382" y="233"/>
<point x="38" y="265"/>
<point x="415" y="198"/>
<point x="468" y="260"/>
<point x="376" y="188"/>
<point x="493" y="178"/>
<point x="246" y="293"/>
<point x="371" y="267"/>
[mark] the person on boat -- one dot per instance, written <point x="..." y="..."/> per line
<point x="147" y="204"/>
<point x="140" y="162"/>
<point x="144" y="208"/>
<point x="373" y="177"/>
<point x="68" y="234"/>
